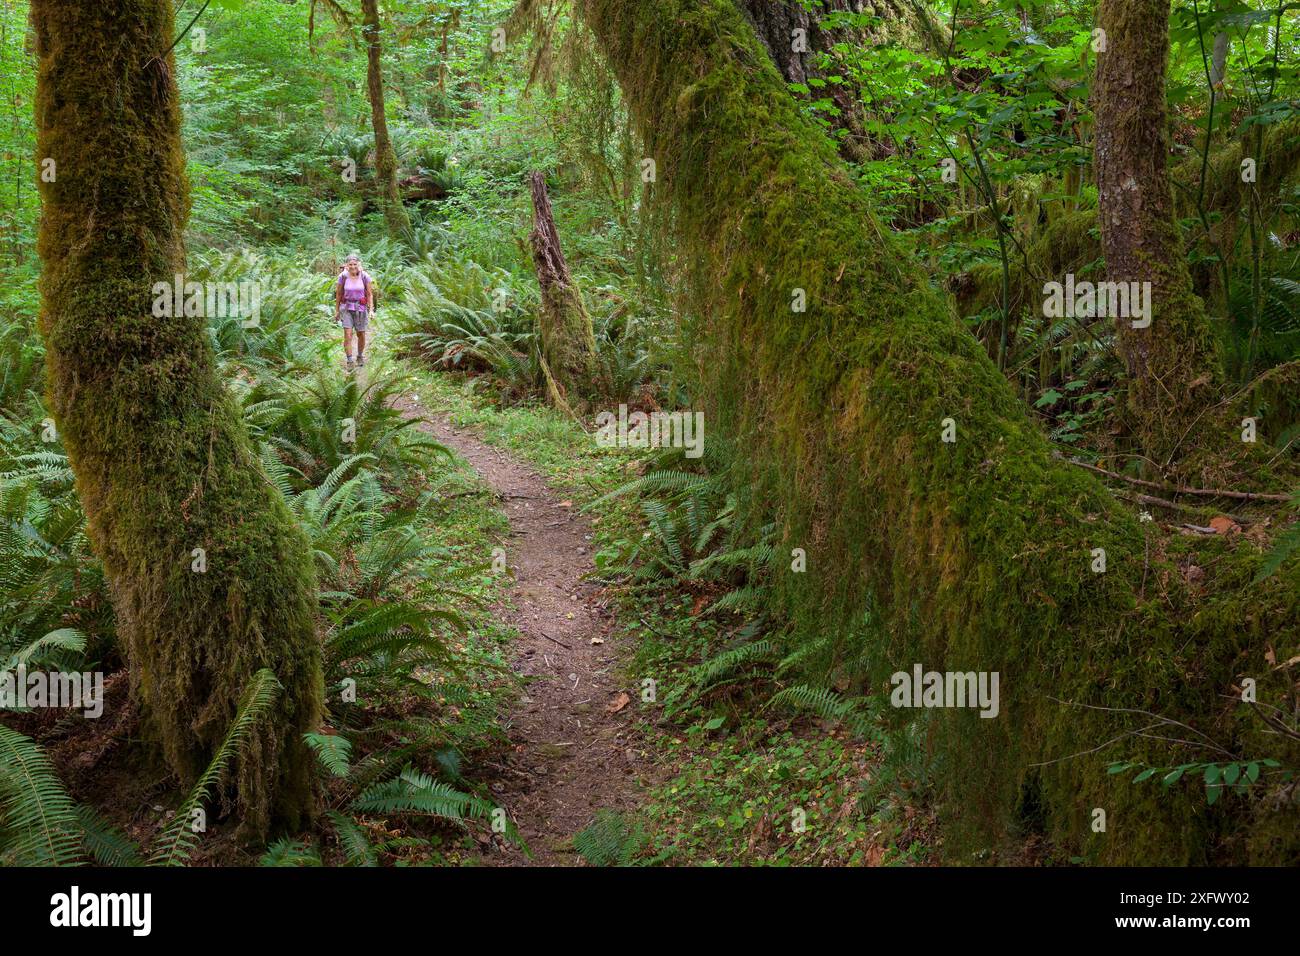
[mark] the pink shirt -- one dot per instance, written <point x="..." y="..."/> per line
<point x="354" y="290"/>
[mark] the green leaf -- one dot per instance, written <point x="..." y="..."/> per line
<point x="714" y="724"/>
<point x="333" y="750"/>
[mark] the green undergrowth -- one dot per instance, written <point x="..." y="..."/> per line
<point x="766" y="793"/>
<point x="757" y="771"/>
<point x="471" y="697"/>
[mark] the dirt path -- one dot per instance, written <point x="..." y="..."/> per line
<point x="574" y="747"/>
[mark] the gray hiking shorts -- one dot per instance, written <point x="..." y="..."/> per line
<point x="354" y="320"/>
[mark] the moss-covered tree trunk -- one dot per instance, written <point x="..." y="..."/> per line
<point x="211" y="579"/>
<point x="390" y="197"/>
<point x="796" y="39"/>
<point x="1172" y="368"/>
<point x="568" y="343"/>
<point x="938" y="527"/>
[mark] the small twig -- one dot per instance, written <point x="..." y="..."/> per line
<point x="1100" y="746"/>
<point x="1166" y="503"/>
<point x="1276" y="724"/>
<point x="1178" y="490"/>
<point x="1146" y="713"/>
<point x="554" y="641"/>
<point x="505" y="769"/>
<point x="652" y="629"/>
<point x="164" y="53"/>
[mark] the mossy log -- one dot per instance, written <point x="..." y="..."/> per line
<point x="162" y="461"/>
<point x="979" y="552"/>
<point x="1069" y="243"/>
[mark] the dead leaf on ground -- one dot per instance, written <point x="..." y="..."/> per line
<point x="1222" y="524"/>
<point x="618" y="703"/>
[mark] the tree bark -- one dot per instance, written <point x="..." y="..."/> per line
<point x="1173" y="371"/>
<point x="776" y="22"/>
<point x="864" y="421"/>
<point x="162" y="461"/>
<point x="390" y="197"/>
<point x="568" y="343"/>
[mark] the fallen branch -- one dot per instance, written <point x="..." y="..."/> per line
<point x="1174" y="505"/>
<point x="1177" y="490"/>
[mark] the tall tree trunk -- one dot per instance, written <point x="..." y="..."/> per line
<point x="163" y="464"/>
<point x="877" y="435"/>
<point x="568" y="344"/>
<point x="1173" y="370"/>
<point x="796" y="39"/>
<point x="390" y="199"/>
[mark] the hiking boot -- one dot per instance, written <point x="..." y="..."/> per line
<point x="347" y="365"/>
<point x="361" y="359"/>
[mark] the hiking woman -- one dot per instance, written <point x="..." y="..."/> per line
<point x="354" y="306"/>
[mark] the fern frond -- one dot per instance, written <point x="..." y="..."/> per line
<point x="104" y="843"/>
<point x="177" y="840"/>
<point x="356" y="847"/>
<point x="1284" y="545"/>
<point x="333" y="750"/>
<point x="609" y="841"/>
<point x="39" y="825"/>
<point x="286" y="852"/>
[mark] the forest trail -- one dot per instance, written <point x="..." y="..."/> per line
<point x="574" y="748"/>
